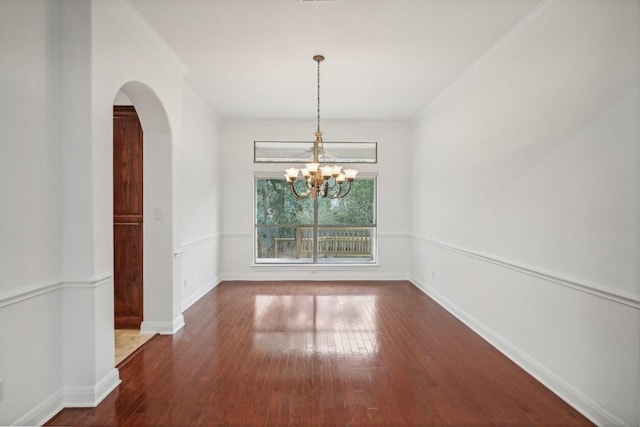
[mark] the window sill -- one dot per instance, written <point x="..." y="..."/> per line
<point x="316" y="267"/>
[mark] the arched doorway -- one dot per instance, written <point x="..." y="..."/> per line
<point x="158" y="294"/>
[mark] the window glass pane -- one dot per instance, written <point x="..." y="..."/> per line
<point x="346" y="227"/>
<point x="302" y="151"/>
<point x="283" y="244"/>
<point x="278" y="216"/>
<point x="338" y="245"/>
<point x="357" y="207"/>
<point x="276" y="205"/>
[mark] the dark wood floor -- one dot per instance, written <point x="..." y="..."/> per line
<point x="322" y="354"/>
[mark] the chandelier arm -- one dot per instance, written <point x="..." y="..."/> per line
<point x="325" y="189"/>
<point x="332" y="183"/>
<point x="335" y="195"/>
<point x="295" y="193"/>
<point x="341" y="193"/>
<point x="348" y="188"/>
<point x="333" y="190"/>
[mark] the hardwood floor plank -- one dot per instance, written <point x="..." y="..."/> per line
<point x="322" y="354"/>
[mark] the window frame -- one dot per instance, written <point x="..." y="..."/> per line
<point x="314" y="264"/>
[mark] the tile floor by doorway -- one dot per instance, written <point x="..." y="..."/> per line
<point x="128" y="341"/>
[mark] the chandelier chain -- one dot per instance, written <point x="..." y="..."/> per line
<point x="318" y="96"/>
<point x="319" y="59"/>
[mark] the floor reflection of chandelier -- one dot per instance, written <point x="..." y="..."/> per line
<point x="320" y="180"/>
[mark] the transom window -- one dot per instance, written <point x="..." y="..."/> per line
<point x="323" y="231"/>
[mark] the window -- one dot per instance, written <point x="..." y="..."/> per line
<point x="301" y="151"/>
<point x="324" y="231"/>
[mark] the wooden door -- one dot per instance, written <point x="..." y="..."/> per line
<point x="127" y="217"/>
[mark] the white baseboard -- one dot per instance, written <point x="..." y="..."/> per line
<point x="199" y="293"/>
<point x="70" y="397"/>
<point x="564" y="390"/>
<point x="294" y="274"/>
<point x="91" y="396"/>
<point x="43" y="412"/>
<point x="162" y="328"/>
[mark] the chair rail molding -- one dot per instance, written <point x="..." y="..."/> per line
<point x="33" y="291"/>
<point x="590" y="288"/>
<point x="15" y="297"/>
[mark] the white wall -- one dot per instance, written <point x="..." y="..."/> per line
<point x="30" y="137"/>
<point x="30" y="208"/>
<point x="62" y="65"/>
<point x="526" y="224"/>
<point x="238" y="211"/>
<point x="198" y="181"/>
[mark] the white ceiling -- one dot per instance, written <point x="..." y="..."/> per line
<point x="385" y="59"/>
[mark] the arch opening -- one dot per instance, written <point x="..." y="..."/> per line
<point x="157" y="214"/>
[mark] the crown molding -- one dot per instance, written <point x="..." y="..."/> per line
<point x="547" y="11"/>
<point x="146" y="34"/>
<point x="206" y="105"/>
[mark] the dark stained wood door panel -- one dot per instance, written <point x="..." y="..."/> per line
<point x="127" y="217"/>
<point x="127" y="162"/>
<point x="127" y="262"/>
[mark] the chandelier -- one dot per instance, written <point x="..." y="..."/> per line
<point x="320" y="180"/>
